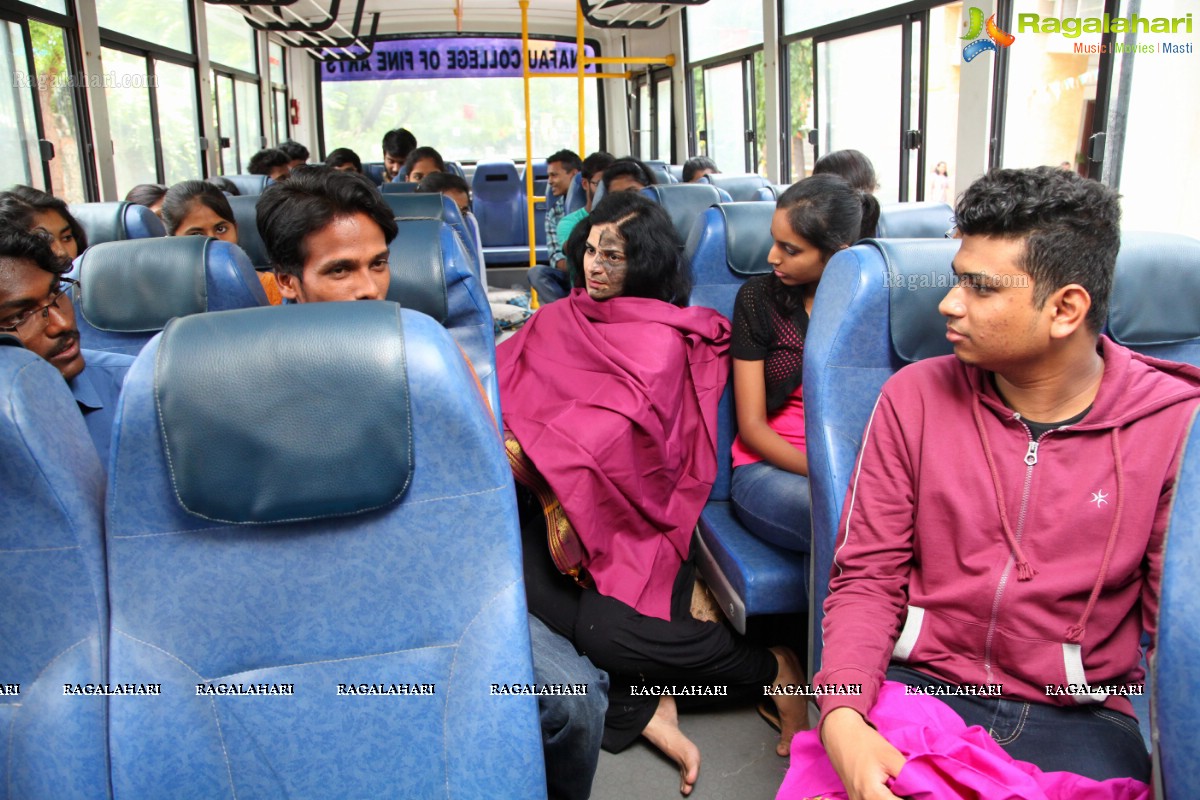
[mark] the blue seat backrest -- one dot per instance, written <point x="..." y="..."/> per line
<point x="245" y="213"/>
<point x="915" y="220"/>
<point x="541" y="170"/>
<point x="432" y="273"/>
<point x="1155" y="306"/>
<point x="398" y="187"/>
<point x="340" y="563"/>
<point x="250" y="184"/>
<point x="435" y="205"/>
<point x="740" y="187"/>
<point x="860" y="333"/>
<point x="676" y="171"/>
<point x="1173" y="699"/>
<point x="685" y="202"/>
<point x="374" y="170"/>
<point x="499" y="204"/>
<point x="576" y="198"/>
<point x="53" y="597"/>
<point x="454" y="168"/>
<point x="128" y="291"/>
<point x="728" y="244"/>
<point x="116" y="222"/>
<point x="772" y="191"/>
<point x="661" y="173"/>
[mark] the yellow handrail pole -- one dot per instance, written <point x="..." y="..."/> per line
<point x="580" y="68"/>
<point x="529" y="215"/>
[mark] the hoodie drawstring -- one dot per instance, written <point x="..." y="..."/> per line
<point x="1076" y="631"/>
<point x="1025" y="570"/>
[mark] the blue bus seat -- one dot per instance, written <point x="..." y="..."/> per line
<point x="676" y="171"/>
<point x="454" y="168"/>
<point x="245" y="214"/>
<point x="432" y="273"/>
<point x="398" y="187"/>
<point x="473" y="227"/>
<point x="434" y="205"/>
<point x="117" y="222"/>
<point x="576" y="197"/>
<point x="772" y="191"/>
<point x="374" y="171"/>
<point x="250" y="184"/>
<point x="741" y="188"/>
<point x="662" y="173"/>
<point x="53" y="598"/>
<point x="1155" y="307"/>
<point x="922" y="220"/>
<point x="344" y="516"/>
<point x="685" y="202"/>
<point x="1173" y="699"/>
<point x="128" y="291"/>
<point x="499" y="204"/>
<point x="728" y="244"/>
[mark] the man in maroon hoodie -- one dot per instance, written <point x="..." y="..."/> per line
<point x="1004" y="524"/>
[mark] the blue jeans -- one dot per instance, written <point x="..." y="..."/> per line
<point x="774" y="505"/>
<point x="572" y="725"/>
<point x="551" y="284"/>
<point x="1088" y="740"/>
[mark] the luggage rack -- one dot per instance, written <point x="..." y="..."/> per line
<point x="638" y="14"/>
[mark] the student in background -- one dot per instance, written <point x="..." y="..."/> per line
<point x="397" y="145"/>
<point x="554" y="282"/>
<point x="149" y="195"/>
<point x="48" y="217"/>
<point x="297" y="154"/>
<point x="696" y="168"/>
<point x="450" y="185"/>
<point x="424" y="161"/>
<point x="271" y="162"/>
<point x="344" y="159"/>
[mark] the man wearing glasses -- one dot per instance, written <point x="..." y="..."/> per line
<point x="35" y="306"/>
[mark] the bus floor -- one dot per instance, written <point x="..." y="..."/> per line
<point x="737" y="747"/>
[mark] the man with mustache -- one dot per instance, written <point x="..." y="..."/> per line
<point x="35" y="306"/>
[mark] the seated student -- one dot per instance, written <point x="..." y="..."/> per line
<point x="593" y="173"/>
<point x="397" y="145"/>
<point x="813" y="219"/>
<point x="620" y="175"/>
<point x="35" y="307"/>
<point x="327" y="233"/>
<point x="610" y="402"/>
<point x="424" y="161"/>
<point x="696" y="168"/>
<point x="48" y="217"/>
<point x="271" y="162"/>
<point x="450" y="185"/>
<point x="227" y="186"/>
<point x="149" y="195"/>
<point x="554" y="282"/>
<point x="197" y="208"/>
<point x="857" y="170"/>
<point x="1007" y="512"/>
<point x="297" y="154"/>
<point x="344" y="159"/>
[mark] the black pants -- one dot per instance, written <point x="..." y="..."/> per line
<point x="638" y="651"/>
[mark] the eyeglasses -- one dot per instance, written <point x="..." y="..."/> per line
<point x="32" y="322"/>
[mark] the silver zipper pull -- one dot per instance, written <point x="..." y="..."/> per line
<point x="1031" y="454"/>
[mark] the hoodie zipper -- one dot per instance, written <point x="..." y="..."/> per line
<point x="1030" y="460"/>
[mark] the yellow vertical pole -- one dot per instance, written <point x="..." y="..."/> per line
<point x="529" y="215"/>
<point x="581" y="68"/>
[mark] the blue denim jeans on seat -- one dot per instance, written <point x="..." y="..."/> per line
<point x="551" y="284"/>
<point x="572" y="725"/>
<point x="774" y="505"/>
<point x="1088" y="740"/>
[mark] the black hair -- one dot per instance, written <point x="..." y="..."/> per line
<point x="295" y="151"/>
<point x="1071" y="226"/>
<point x="422" y="153"/>
<point x="262" y="162"/>
<point x="697" y="164"/>
<point x="308" y="201"/>
<point x="568" y="158"/>
<point x="343" y="156"/>
<point x="629" y="167"/>
<point x="851" y="165"/>
<point x="38" y="200"/>
<point x="827" y="213"/>
<point x="17" y="242"/>
<point x="653" y="250"/>
<point x="146" y="194"/>
<point x="225" y="185"/>
<point x="596" y="162"/>
<point x="182" y="196"/>
<point x="399" y="143"/>
<point x="443" y="181"/>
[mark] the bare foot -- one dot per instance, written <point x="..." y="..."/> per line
<point x="793" y="709"/>
<point x="663" y="732"/>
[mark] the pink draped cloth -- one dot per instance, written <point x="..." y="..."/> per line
<point x="946" y="761"/>
<point x="615" y="403"/>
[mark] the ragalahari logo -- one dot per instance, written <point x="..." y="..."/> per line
<point x="996" y="38"/>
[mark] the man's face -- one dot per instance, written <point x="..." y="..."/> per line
<point x="590" y="185"/>
<point x="990" y="315"/>
<point x="393" y="164"/>
<point x="24" y="287"/>
<point x="347" y="260"/>
<point x="559" y="178"/>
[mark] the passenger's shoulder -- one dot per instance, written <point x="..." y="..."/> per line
<point x="112" y="365"/>
<point x="928" y="376"/>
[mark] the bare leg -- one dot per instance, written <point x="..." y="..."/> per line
<point x="663" y="732"/>
<point x="793" y="709"/>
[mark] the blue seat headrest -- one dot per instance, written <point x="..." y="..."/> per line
<point x="1154" y="291"/>
<point x="417" y="265"/>
<point x="685" y="202"/>
<point x="138" y="286"/>
<point x="741" y="188"/>
<point x="285" y="413"/>
<point x="924" y="220"/>
<point x="245" y="214"/>
<point x="748" y="236"/>
<point x="250" y="184"/>
<point x="417" y="204"/>
<point x="919" y="275"/>
<point x="398" y="187"/>
<point x="117" y="221"/>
